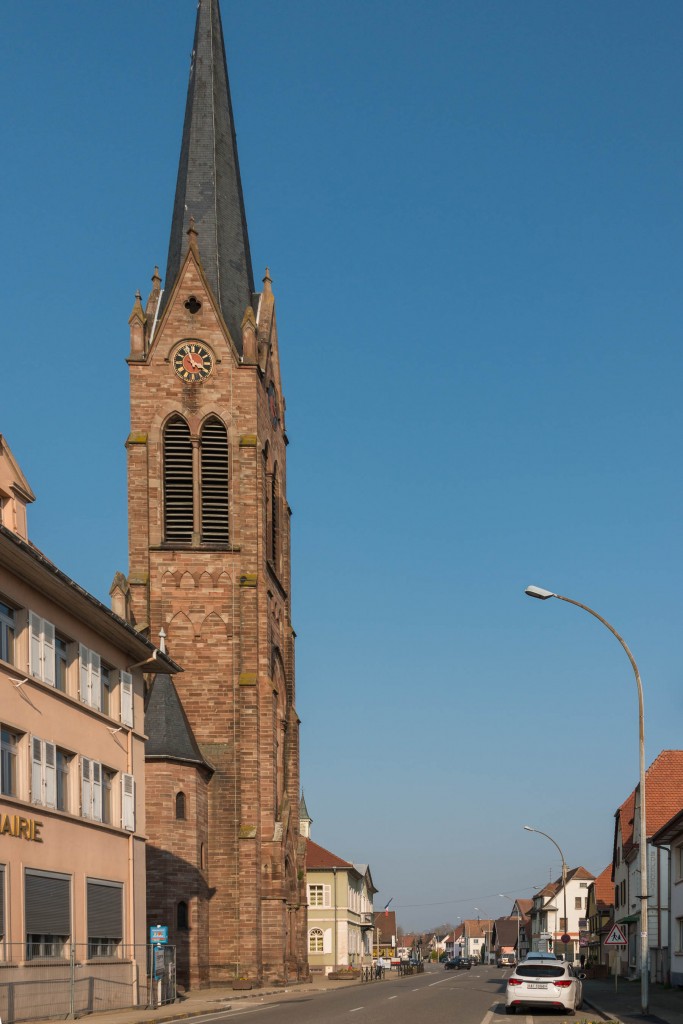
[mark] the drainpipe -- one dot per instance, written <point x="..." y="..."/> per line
<point x="334" y="871"/>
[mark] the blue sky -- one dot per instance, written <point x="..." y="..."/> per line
<point x="473" y="214"/>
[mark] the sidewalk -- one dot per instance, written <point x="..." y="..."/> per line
<point x="215" y="1000"/>
<point x="666" y="1004"/>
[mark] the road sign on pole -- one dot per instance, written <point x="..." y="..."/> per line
<point x="616" y="937"/>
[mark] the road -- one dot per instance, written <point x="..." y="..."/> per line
<point x="435" y="997"/>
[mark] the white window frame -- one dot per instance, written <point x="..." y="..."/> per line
<point x="319" y="934"/>
<point x="325" y="893"/>
<point x="678" y="862"/>
<point x="41" y="649"/>
<point x="43" y="772"/>
<point x="90" y="677"/>
<point x="8" y="628"/>
<point x="11" y="750"/>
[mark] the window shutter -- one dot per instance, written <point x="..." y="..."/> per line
<point x="128" y="802"/>
<point x="2" y="901"/>
<point x="86" y="788"/>
<point x="105" y="910"/>
<point x="37" y="796"/>
<point x="84" y="663"/>
<point x="36" y="635"/>
<point x="48" y="653"/>
<point x="97" y="791"/>
<point x="127" y="698"/>
<point x="50" y="774"/>
<point x="327" y="940"/>
<point x="95" y="681"/>
<point x="47" y="903"/>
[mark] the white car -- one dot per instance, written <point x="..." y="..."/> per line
<point x="544" y="982"/>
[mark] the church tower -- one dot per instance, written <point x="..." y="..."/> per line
<point x="209" y="571"/>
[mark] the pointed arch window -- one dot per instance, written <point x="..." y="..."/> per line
<point x="178" y="482"/>
<point x="180" y="806"/>
<point x="214" y="482"/>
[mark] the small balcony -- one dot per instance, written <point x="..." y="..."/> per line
<point x="366" y="919"/>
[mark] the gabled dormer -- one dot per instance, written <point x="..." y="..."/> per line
<point x="15" y="493"/>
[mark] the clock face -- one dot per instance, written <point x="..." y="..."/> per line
<point x="193" y="362"/>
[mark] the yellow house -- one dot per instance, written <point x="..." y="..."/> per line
<point x="340" y="912"/>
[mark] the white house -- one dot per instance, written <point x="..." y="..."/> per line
<point x="556" y="912"/>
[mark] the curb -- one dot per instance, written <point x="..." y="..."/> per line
<point x="603" y="1013"/>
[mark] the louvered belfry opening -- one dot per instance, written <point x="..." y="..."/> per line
<point x="274" y="524"/>
<point x="214" y="482"/>
<point x="178" y="490"/>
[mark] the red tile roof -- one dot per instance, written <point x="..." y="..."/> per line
<point x="477" y="927"/>
<point x="663" y="797"/>
<point x="319" y="857"/>
<point x="603" y="889"/>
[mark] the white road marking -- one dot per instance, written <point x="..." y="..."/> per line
<point x="391" y="997"/>
<point x="238" y="1012"/>
<point x="356" y="1009"/>
<point x="433" y="983"/>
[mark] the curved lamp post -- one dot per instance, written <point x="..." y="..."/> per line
<point x="543" y="595"/>
<point x="564" y="876"/>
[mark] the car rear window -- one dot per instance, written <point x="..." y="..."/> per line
<point x="540" y="971"/>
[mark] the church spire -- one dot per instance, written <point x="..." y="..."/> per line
<point x="209" y="188"/>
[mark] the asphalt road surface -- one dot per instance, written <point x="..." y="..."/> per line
<point x="435" y="997"/>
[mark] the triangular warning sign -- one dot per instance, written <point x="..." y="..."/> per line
<point x="616" y="937"/>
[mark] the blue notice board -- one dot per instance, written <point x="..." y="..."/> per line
<point x="158" y="933"/>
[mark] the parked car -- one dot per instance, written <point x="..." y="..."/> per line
<point x="544" y="982"/>
<point x="458" y="963"/>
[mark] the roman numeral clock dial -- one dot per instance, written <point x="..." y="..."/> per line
<point x="193" y="362"/>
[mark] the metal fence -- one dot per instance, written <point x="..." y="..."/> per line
<point x="375" y="973"/>
<point x="63" y="979"/>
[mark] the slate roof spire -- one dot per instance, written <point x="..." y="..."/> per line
<point x="209" y="188"/>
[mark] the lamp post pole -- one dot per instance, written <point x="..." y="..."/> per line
<point x="564" y="875"/>
<point x="543" y="595"/>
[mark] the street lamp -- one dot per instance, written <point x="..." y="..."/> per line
<point x="564" y="877"/>
<point x="543" y="595"/>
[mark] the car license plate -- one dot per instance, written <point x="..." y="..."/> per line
<point x="532" y="985"/>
